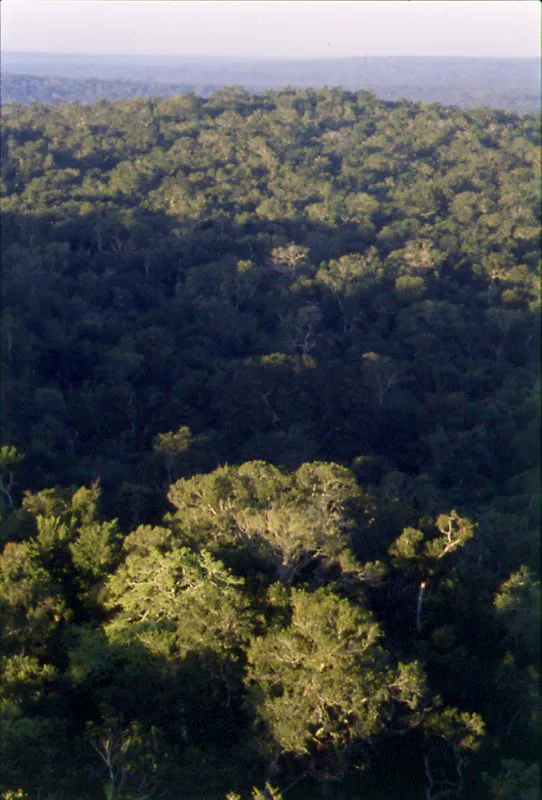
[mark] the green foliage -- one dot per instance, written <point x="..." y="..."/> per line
<point x="287" y="522"/>
<point x="70" y="540"/>
<point x="461" y="729"/>
<point x="314" y="279"/>
<point x="94" y="551"/>
<point x="10" y="458"/>
<point x="269" y="793"/>
<point x="323" y="681"/>
<point x="174" y="601"/>
<point x="24" y="681"/>
<point x="406" y="547"/>
<point x="31" y="606"/>
<point x="516" y="780"/>
<point x="517" y="602"/>
<point x="171" y="447"/>
<point x="127" y="756"/>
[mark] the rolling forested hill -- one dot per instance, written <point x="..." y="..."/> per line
<point x="270" y="462"/>
<point x="27" y="89"/>
<point x="513" y="83"/>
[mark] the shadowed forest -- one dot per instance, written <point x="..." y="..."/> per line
<point x="270" y="452"/>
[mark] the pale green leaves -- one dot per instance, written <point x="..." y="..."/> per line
<point x="171" y="447"/>
<point x="517" y="603"/>
<point x="30" y="605"/>
<point x="289" y="538"/>
<point x="323" y="680"/>
<point x="289" y="257"/>
<point x="10" y="457"/>
<point x="22" y="680"/>
<point x="406" y="546"/>
<point x="459" y="728"/>
<point x="173" y="600"/>
<point x="286" y="521"/>
<point x="94" y="550"/>
<point x="412" y="546"/>
<point x="269" y="793"/>
<point x="69" y="525"/>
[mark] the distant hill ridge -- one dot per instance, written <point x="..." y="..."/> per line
<point x="513" y="84"/>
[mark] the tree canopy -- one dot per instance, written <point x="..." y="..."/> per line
<point x="270" y="457"/>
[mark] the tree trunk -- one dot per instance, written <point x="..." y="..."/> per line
<point x="419" y="605"/>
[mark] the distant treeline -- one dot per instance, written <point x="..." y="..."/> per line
<point x="27" y="89"/>
<point x="512" y="84"/>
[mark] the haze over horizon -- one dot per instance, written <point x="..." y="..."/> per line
<point x="290" y="29"/>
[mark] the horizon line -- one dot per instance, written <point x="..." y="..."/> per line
<point x="262" y="58"/>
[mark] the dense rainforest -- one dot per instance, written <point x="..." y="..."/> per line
<point x="270" y="452"/>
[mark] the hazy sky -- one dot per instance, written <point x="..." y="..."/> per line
<point x="280" y="28"/>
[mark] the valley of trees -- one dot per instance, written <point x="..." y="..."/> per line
<point x="270" y="458"/>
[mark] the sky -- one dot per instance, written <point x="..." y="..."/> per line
<point x="274" y="28"/>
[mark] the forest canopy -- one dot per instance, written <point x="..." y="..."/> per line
<point x="270" y="461"/>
